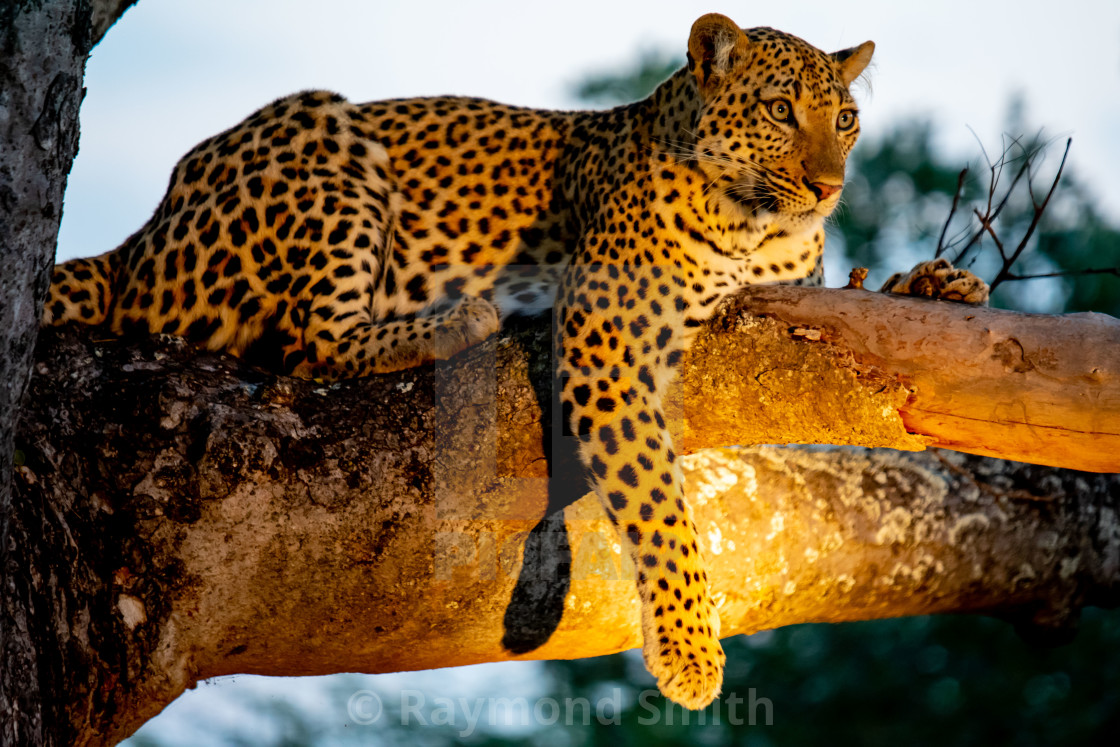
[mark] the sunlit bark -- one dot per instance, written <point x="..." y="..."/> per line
<point x="214" y="520"/>
<point x="853" y="367"/>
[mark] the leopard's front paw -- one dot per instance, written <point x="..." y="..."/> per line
<point x="939" y="279"/>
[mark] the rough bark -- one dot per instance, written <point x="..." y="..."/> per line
<point x="43" y="49"/>
<point x="212" y="519"/>
<point x="106" y="13"/>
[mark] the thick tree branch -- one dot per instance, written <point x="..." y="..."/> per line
<point x="861" y="368"/>
<point x="188" y="517"/>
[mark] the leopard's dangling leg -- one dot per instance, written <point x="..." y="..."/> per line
<point x="612" y="375"/>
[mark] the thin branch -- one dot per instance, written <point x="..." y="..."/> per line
<point x="1038" y="211"/>
<point x="1065" y="273"/>
<point x="986" y="226"/>
<point x="992" y="214"/>
<point x="952" y="211"/>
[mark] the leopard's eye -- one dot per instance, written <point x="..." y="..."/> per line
<point x="780" y="110"/>
<point x="846" y="120"/>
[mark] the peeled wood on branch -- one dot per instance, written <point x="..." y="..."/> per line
<point x="862" y="368"/>
<point x="184" y="517"/>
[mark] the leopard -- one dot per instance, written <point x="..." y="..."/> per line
<point x="330" y="240"/>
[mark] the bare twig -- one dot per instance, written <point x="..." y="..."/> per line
<point x="952" y="211"/>
<point x="1065" y="273"/>
<point x="998" y="197"/>
<point x="1038" y="210"/>
<point x="996" y="169"/>
<point x="986" y="226"/>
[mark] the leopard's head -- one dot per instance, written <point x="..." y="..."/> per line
<point x="776" y="121"/>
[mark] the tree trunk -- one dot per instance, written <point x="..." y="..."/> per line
<point x="42" y="61"/>
<point x="211" y="519"/>
<point x="43" y="49"/>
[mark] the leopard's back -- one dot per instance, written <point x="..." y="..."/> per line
<point x="282" y="237"/>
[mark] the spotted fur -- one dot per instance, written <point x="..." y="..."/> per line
<point x="939" y="279"/>
<point x="330" y="239"/>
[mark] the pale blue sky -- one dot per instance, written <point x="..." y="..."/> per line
<point x="170" y="73"/>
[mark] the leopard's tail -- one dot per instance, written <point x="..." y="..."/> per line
<point x="82" y="290"/>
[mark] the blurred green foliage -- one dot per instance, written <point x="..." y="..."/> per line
<point x="951" y="680"/>
<point x="638" y="81"/>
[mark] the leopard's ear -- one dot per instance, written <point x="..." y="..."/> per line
<point x="716" y="47"/>
<point x="853" y="61"/>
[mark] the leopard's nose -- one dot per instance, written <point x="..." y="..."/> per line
<point x="823" y="190"/>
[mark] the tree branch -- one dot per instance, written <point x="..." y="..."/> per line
<point x="865" y="369"/>
<point x="1037" y="211"/>
<point x="186" y="517"/>
<point x="105" y="14"/>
